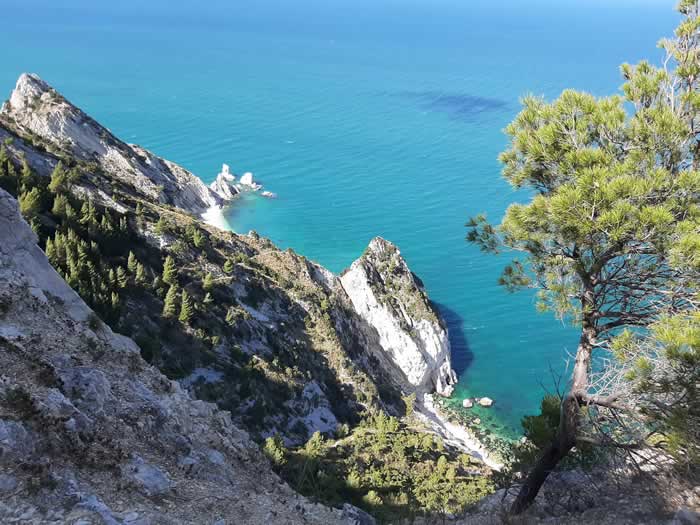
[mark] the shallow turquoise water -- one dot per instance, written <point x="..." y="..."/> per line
<point x="367" y="118"/>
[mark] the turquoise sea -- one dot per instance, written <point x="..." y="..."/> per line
<point x="367" y="118"/>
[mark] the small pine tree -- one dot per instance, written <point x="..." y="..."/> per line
<point x="59" y="179"/>
<point x="8" y="178"/>
<point x="208" y="299"/>
<point x="26" y="178"/>
<point x="30" y="203"/>
<point x="208" y="283"/>
<point x="170" y="304"/>
<point x="140" y="274"/>
<point x="122" y="277"/>
<point x="50" y="252"/>
<point x="113" y="278"/>
<point x="275" y="451"/>
<point x="88" y="214"/>
<point x="198" y="239"/>
<point x="115" y="301"/>
<point x="169" y="271"/>
<point x="228" y="266"/>
<point x="132" y="263"/>
<point x="59" y="205"/>
<point x="186" y="308"/>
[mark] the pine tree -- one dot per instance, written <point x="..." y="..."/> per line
<point x="186" y="308"/>
<point x="88" y="214"/>
<point x="208" y="299"/>
<point x="30" y="203"/>
<point x="122" y="277"/>
<point x="51" y="252"/>
<point x="613" y="185"/>
<point x="198" y="239"/>
<point x="106" y="226"/>
<point x="169" y="271"/>
<point x="8" y="179"/>
<point x="140" y="274"/>
<point x="113" y="282"/>
<point x="132" y="263"/>
<point x="27" y="179"/>
<point x="228" y="266"/>
<point x="60" y="203"/>
<point x="208" y="283"/>
<point x="59" y="179"/>
<point x="170" y="304"/>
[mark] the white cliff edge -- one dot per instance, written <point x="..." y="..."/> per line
<point x="386" y="294"/>
<point x="37" y="109"/>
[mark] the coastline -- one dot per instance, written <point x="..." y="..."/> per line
<point x="453" y="434"/>
<point x="428" y="411"/>
<point x="214" y="216"/>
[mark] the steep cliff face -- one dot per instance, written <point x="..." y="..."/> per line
<point x="36" y="109"/>
<point x="91" y="433"/>
<point x="267" y="323"/>
<point x="386" y="294"/>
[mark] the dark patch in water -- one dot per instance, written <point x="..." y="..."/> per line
<point x="458" y="106"/>
<point x="462" y="356"/>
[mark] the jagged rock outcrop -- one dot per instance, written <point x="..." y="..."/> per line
<point x="224" y="184"/>
<point x="90" y="433"/>
<point x="386" y="294"/>
<point x="35" y="108"/>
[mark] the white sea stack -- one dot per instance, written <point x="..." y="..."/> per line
<point x="486" y="401"/>
<point x="467" y="403"/>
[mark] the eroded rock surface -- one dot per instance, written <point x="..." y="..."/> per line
<point x="387" y="295"/>
<point x="90" y="433"/>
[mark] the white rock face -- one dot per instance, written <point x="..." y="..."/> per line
<point x="412" y="336"/>
<point x="37" y="108"/>
<point x="224" y="185"/>
<point x="247" y="179"/>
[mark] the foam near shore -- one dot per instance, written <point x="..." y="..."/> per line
<point x="214" y="216"/>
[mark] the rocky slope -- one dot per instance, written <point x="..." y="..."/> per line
<point x="38" y="111"/>
<point x="91" y="433"/>
<point x="373" y="333"/>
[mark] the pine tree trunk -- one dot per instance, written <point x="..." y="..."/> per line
<point x="565" y="438"/>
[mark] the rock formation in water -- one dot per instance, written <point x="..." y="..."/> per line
<point x="224" y="184"/>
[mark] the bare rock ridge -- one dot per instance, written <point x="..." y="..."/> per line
<point x="37" y="109"/>
<point x="91" y="433"/>
<point x="386" y="294"/>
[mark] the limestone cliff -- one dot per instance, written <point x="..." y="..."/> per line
<point x="386" y="294"/>
<point x="270" y="322"/>
<point x="36" y="109"/>
<point x="91" y="433"/>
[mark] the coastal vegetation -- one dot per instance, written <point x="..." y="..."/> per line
<point x="610" y="238"/>
<point x="388" y="467"/>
